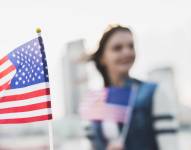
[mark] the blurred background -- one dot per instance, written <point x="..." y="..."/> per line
<point x="72" y="28"/>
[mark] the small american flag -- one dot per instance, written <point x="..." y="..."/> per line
<point x="24" y="85"/>
<point x="109" y="104"/>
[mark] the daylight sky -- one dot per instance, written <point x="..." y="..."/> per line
<point x="162" y="33"/>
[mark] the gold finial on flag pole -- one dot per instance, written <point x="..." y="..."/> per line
<point x="38" y="31"/>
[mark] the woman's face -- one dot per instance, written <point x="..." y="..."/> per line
<point x="119" y="53"/>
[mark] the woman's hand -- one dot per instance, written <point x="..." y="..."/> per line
<point x="115" y="146"/>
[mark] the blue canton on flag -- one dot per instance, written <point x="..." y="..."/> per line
<point x="30" y="62"/>
<point x="118" y="96"/>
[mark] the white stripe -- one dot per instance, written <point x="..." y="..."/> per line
<point x="7" y="78"/>
<point x="25" y="89"/>
<point x="28" y="114"/>
<point x="5" y="65"/>
<point x="165" y="124"/>
<point x="26" y="102"/>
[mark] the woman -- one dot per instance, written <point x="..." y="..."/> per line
<point x="151" y="127"/>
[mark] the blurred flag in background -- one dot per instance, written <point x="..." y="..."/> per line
<point x="106" y="104"/>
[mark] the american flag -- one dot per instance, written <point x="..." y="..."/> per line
<point x="24" y="85"/>
<point x="109" y="104"/>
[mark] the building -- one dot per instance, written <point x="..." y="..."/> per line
<point x="165" y="77"/>
<point x="74" y="74"/>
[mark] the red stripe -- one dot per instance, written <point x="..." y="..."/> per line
<point x="26" y="108"/>
<point x="7" y="71"/>
<point x="26" y="95"/>
<point x="26" y="120"/>
<point x="4" y="86"/>
<point x="4" y="59"/>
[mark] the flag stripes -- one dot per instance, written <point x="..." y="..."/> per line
<point x="29" y="101"/>
<point x="26" y="119"/>
<point x="25" y="102"/>
<point x="26" y="108"/>
<point x="25" y="96"/>
<point x="7" y="71"/>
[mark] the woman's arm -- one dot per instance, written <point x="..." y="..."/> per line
<point x="165" y="120"/>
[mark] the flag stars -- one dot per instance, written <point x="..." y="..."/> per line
<point x="13" y="55"/>
<point x="26" y="69"/>
<point x="28" y="46"/>
<point x="42" y="72"/>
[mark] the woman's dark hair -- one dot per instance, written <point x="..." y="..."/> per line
<point x="101" y="47"/>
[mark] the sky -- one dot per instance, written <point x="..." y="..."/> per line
<point x="161" y="27"/>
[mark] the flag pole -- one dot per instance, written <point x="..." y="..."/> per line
<point x="50" y="132"/>
<point x="50" y="127"/>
